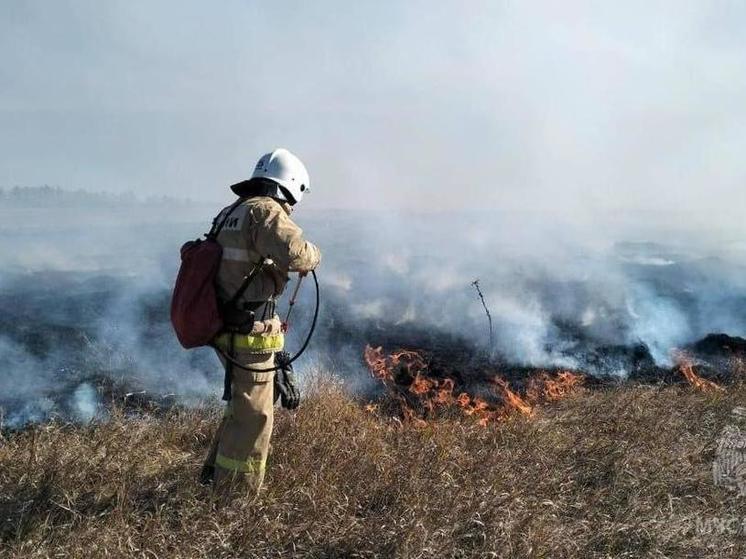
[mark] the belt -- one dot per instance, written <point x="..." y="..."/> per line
<point x="253" y="343"/>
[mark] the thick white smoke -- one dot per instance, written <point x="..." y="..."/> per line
<point x="85" y="293"/>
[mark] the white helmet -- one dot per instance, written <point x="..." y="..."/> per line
<point x="286" y="170"/>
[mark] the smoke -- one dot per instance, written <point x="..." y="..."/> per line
<point x="85" y="296"/>
<point x="562" y="291"/>
<point x="85" y="402"/>
<point x="584" y="161"/>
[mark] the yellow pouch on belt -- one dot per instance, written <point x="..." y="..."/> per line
<point x="265" y="337"/>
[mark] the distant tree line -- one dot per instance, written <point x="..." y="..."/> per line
<point x="55" y="196"/>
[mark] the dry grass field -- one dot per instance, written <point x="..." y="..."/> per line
<point x="622" y="471"/>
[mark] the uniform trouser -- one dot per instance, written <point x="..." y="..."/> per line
<point x="242" y="440"/>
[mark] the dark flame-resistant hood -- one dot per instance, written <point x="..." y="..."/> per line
<point x="260" y="187"/>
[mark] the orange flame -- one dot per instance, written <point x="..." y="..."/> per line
<point x="543" y="387"/>
<point x="404" y="373"/>
<point x="686" y="367"/>
<point x="376" y="361"/>
<point x="420" y="385"/>
<point x="512" y="399"/>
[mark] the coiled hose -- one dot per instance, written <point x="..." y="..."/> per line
<point x="235" y="363"/>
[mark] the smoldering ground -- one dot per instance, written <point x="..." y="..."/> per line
<point x="85" y="291"/>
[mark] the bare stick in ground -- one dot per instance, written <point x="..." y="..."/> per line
<point x="475" y="283"/>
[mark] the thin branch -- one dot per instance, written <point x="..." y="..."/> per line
<point x="475" y="283"/>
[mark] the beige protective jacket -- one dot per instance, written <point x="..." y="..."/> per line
<point x="261" y="227"/>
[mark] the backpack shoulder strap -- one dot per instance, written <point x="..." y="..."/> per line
<point x="247" y="281"/>
<point x="217" y="227"/>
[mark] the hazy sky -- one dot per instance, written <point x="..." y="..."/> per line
<point x="592" y="105"/>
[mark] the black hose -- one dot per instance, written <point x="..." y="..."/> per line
<point x="232" y="361"/>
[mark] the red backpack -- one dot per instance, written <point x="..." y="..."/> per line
<point x="195" y="312"/>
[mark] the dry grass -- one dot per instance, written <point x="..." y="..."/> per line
<point x="619" y="472"/>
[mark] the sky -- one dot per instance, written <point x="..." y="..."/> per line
<point x="567" y="107"/>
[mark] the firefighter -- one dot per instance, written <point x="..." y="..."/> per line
<point x="258" y="232"/>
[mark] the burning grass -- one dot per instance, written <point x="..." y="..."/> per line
<point x="685" y="365"/>
<point x="420" y="396"/>
<point x="620" y="471"/>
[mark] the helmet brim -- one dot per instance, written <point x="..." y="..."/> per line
<point x="253" y="187"/>
<point x="243" y="188"/>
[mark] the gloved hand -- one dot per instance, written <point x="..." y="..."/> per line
<point x="285" y="386"/>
